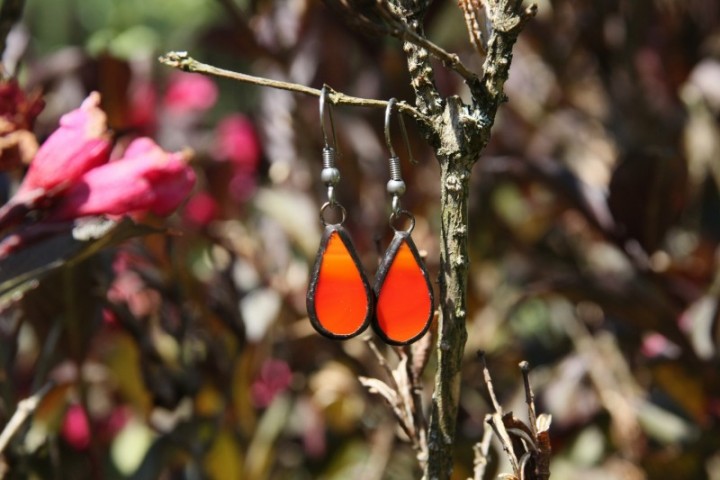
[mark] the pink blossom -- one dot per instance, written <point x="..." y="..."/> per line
<point x="275" y="377"/>
<point x="242" y="186"/>
<point x="201" y="209"/>
<point x="146" y="179"/>
<point x="656" y="345"/>
<point x="75" y="428"/>
<point x="130" y="289"/>
<point x="80" y="144"/>
<point x="238" y="143"/>
<point x="110" y="426"/>
<point x="190" y="92"/>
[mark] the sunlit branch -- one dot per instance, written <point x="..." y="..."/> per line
<point x="451" y="60"/>
<point x="25" y="408"/>
<point x="182" y="61"/>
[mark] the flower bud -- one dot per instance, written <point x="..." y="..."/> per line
<point x="80" y="144"/>
<point x="146" y="179"/>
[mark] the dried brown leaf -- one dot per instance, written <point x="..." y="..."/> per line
<point x="380" y="388"/>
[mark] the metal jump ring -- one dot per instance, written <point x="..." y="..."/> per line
<point x="395" y="215"/>
<point x="343" y="213"/>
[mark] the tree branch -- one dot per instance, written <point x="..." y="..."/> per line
<point x="507" y="19"/>
<point x="427" y="97"/>
<point x="24" y="409"/>
<point x="184" y="62"/>
<point x="451" y="60"/>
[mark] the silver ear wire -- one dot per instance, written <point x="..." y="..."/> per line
<point x="396" y="186"/>
<point x="330" y="175"/>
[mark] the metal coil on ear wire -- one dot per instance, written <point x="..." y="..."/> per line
<point x="328" y="157"/>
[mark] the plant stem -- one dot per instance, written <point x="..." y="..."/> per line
<point x="182" y="61"/>
<point x="451" y="331"/>
<point x="25" y="408"/>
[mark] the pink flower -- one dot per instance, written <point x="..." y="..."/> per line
<point x="75" y="428"/>
<point x="80" y="144"/>
<point x="110" y="426"/>
<point x="146" y="179"/>
<point x="190" y="92"/>
<point x="201" y="209"/>
<point x="238" y="142"/>
<point x="275" y="377"/>
<point x="242" y="186"/>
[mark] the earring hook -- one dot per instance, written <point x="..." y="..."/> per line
<point x="388" y="116"/>
<point x="396" y="185"/>
<point x="325" y="97"/>
<point x="330" y="175"/>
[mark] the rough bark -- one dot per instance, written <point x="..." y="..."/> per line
<point x="458" y="134"/>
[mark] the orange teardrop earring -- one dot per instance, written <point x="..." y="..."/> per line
<point x="404" y="307"/>
<point x="339" y="299"/>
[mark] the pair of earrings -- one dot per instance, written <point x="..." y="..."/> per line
<point x="340" y="302"/>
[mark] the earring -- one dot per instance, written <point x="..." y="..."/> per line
<point x="339" y="299"/>
<point x="404" y="306"/>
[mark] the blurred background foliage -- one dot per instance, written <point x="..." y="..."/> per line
<point x="595" y="222"/>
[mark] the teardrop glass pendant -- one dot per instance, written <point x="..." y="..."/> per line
<point x="339" y="298"/>
<point x="404" y="307"/>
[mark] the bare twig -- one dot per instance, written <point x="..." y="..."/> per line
<point x="379" y="357"/>
<point x="529" y="397"/>
<point x="481" y="451"/>
<point x="496" y="419"/>
<point x="24" y="409"/>
<point x="403" y="395"/>
<point x="496" y="423"/>
<point x="531" y="444"/>
<point x="415" y="403"/>
<point x="400" y="30"/>
<point x="472" y="11"/>
<point x="489" y="384"/>
<point x="506" y="17"/>
<point x="182" y="61"/>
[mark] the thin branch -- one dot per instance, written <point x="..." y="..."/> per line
<point x="182" y="61"/>
<point x="473" y="11"/>
<point x="482" y="450"/>
<point x="451" y="60"/>
<point x="529" y="397"/>
<point x="379" y="357"/>
<point x="414" y="403"/>
<point x="496" y="420"/>
<point x="24" y="409"/>
<point x="496" y="423"/>
<point x="488" y="382"/>
<point x="507" y="17"/>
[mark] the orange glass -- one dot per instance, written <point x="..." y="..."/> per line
<point x="404" y="305"/>
<point x="339" y="299"/>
